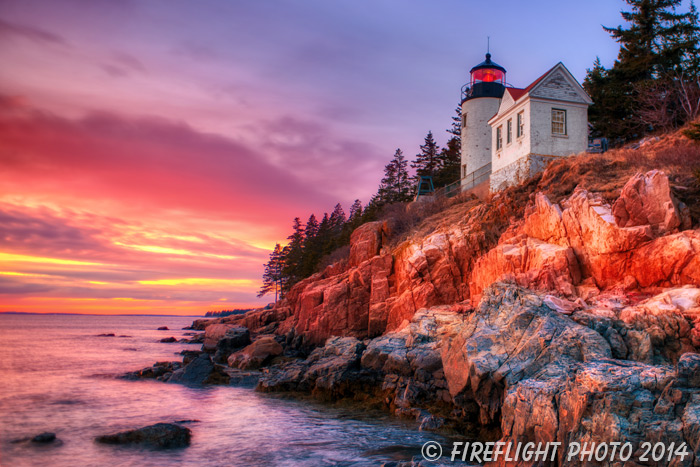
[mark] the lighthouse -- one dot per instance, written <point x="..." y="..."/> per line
<point x="481" y="98"/>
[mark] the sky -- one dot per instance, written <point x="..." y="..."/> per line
<point x="153" y="152"/>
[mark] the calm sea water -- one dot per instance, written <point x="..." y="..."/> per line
<point x="58" y="375"/>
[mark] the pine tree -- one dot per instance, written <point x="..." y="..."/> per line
<point x="311" y="230"/>
<point x="450" y="162"/>
<point x="337" y="219"/>
<point x="310" y="252"/>
<point x="355" y="211"/>
<point x="273" y="275"/>
<point x="294" y="255"/>
<point x="657" y="43"/>
<point x="611" y="109"/>
<point x="325" y="237"/>
<point x="456" y="130"/>
<point x="427" y="161"/>
<point x="396" y="185"/>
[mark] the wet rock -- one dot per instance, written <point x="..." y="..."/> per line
<point x="160" y="435"/>
<point x="233" y="339"/>
<point x="195" y="372"/>
<point x="189" y="355"/>
<point x="520" y="368"/>
<point x="44" y="438"/>
<point x="168" y="340"/>
<point x="111" y="334"/>
<point x="219" y="375"/>
<point x="159" y="370"/>
<point x="261" y="351"/>
<point x="196" y="339"/>
<point x="328" y="370"/>
<point x="163" y="328"/>
<point x="431" y="423"/>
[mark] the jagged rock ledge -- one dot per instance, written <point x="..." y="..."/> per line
<point x="580" y="323"/>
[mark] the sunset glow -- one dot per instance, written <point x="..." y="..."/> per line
<point x="150" y="158"/>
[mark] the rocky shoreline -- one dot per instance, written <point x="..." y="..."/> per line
<point x="580" y="323"/>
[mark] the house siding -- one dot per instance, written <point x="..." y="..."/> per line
<point x="543" y="142"/>
<point x="520" y="147"/>
<point x="557" y="86"/>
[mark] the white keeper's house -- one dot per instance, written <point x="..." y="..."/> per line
<point x="510" y="134"/>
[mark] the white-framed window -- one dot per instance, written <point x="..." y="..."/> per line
<point x="558" y="122"/>
<point x="499" y="138"/>
<point x="521" y="124"/>
<point x="509" y="131"/>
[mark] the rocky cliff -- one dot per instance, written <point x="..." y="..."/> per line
<point x="575" y="249"/>
<point x="539" y="315"/>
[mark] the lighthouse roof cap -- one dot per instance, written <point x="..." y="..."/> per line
<point x="488" y="64"/>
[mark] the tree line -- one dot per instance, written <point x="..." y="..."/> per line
<point x="312" y="245"/>
<point x="654" y="84"/>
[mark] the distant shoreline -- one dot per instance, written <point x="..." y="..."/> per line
<point x="94" y="314"/>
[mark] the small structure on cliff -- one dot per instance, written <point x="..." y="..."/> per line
<point x="509" y="133"/>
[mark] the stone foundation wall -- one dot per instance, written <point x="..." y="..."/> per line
<point x="520" y="170"/>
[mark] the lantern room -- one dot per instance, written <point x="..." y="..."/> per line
<point x="488" y="72"/>
<point x="488" y="79"/>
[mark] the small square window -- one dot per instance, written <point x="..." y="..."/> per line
<point x="509" y="131"/>
<point x="499" y="138"/>
<point x="521" y="124"/>
<point x="558" y="122"/>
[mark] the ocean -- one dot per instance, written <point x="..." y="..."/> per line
<point x="58" y="375"/>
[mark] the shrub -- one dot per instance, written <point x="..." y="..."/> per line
<point x="693" y="133"/>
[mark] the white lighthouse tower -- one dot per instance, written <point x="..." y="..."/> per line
<point x="481" y="98"/>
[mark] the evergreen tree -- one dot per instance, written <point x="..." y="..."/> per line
<point x="273" y="275"/>
<point x="689" y="37"/>
<point x="396" y="185"/>
<point x="310" y="230"/>
<point x="355" y="211"/>
<point x="334" y="237"/>
<point x="427" y="161"/>
<point x="337" y="220"/>
<point x="325" y="237"/>
<point x="310" y="252"/>
<point x="611" y="109"/>
<point x="456" y="130"/>
<point x="294" y="255"/>
<point x="450" y="162"/>
<point x="657" y="44"/>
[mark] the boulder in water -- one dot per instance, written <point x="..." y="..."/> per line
<point x="160" y="435"/>
<point x="194" y="372"/>
<point x="44" y="438"/>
